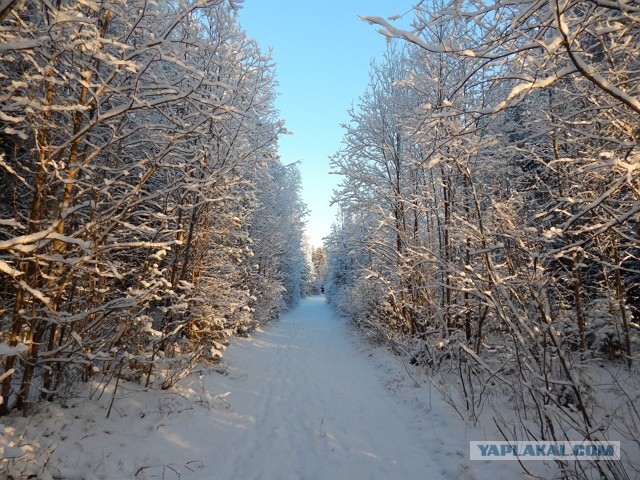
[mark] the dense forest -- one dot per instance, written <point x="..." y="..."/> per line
<point x="489" y="207"/>
<point x="145" y="214"/>
<point x="490" y="213"/>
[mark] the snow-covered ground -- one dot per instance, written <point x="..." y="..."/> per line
<point x="302" y="399"/>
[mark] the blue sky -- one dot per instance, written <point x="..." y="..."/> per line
<point x="322" y="52"/>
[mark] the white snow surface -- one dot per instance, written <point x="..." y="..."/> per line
<point x="304" y="398"/>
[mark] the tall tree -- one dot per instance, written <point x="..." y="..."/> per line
<point x="132" y="135"/>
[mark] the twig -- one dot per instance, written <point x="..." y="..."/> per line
<point x="115" y="390"/>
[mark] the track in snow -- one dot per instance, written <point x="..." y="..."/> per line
<point x="305" y="404"/>
<point x="296" y="401"/>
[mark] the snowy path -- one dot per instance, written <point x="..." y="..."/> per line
<point x="312" y="407"/>
<point x="300" y="400"/>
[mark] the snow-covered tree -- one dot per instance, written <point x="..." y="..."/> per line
<point x="132" y="134"/>
<point x="277" y="229"/>
<point x="518" y="205"/>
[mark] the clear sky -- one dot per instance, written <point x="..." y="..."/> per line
<point x="322" y="52"/>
